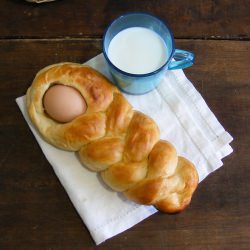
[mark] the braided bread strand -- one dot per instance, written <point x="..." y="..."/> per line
<point x="111" y="138"/>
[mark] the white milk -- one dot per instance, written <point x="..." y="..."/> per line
<point x="137" y="50"/>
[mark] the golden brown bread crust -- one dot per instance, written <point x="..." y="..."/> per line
<point x="97" y="92"/>
<point x="113" y="139"/>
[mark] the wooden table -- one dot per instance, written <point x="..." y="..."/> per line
<point x="35" y="211"/>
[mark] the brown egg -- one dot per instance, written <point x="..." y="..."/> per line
<point x="63" y="103"/>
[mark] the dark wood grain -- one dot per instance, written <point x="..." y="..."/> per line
<point x="35" y="211"/>
<point x="211" y="19"/>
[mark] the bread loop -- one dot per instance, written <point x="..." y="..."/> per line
<point x="111" y="138"/>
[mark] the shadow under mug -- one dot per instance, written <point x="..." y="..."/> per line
<point x="143" y="83"/>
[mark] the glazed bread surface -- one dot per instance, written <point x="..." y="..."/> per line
<point x="111" y="138"/>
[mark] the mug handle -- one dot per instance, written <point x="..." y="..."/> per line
<point x="182" y="59"/>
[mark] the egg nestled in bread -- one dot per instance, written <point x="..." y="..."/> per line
<point x="63" y="103"/>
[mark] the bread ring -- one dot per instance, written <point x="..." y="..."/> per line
<point x="122" y="144"/>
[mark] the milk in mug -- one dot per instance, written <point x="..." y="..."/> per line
<point x="137" y="50"/>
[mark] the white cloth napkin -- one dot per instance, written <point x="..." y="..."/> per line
<point x="183" y="118"/>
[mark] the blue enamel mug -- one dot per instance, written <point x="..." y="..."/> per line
<point x="133" y="83"/>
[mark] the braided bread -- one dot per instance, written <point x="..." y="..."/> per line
<point x="111" y="138"/>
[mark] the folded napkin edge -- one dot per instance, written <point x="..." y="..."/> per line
<point x="139" y="213"/>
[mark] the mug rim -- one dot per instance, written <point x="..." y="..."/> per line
<point x="164" y="23"/>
